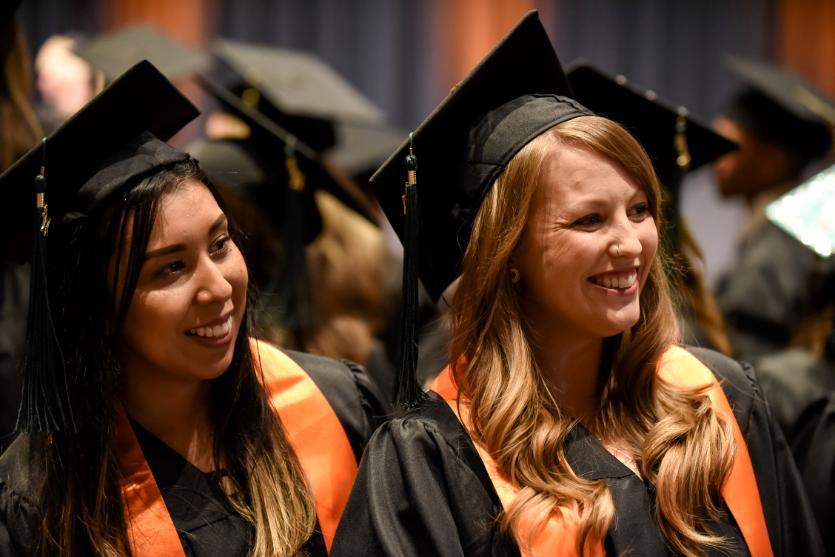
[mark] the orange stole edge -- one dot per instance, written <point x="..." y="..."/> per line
<point x="151" y="531"/>
<point x="740" y="491"/>
<point x="314" y="432"/>
<point x="557" y="537"/>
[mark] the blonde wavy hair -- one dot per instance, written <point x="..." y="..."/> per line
<point x="680" y="444"/>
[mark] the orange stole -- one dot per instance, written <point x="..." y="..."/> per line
<point x="312" y="428"/>
<point x="150" y="529"/>
<point x="740" y="490"/>
<point x="314" y="432"/>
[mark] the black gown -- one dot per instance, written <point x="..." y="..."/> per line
<point x="206" y="524"/>
<point x="423" y="490"/>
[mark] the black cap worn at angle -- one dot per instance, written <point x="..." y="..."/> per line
<point x="293" y="89"/>
<point x="462" y="149"/>
<point x="781" y="107"/>
<point x="107" y="147"/>
<point x="113" y="53"/>
<point x="516" y="93"/>
<point x="273" y="142"/>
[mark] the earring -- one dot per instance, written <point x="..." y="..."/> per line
<point x="514" y="275"/>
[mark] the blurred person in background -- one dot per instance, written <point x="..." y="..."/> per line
<point x="783" y="126"/>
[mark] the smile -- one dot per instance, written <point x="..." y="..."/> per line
<point x="215" y="331"/>
<point x="618" y="280"/>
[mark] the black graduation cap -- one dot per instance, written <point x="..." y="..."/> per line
<point x="782" y="108"/>
<point x="273" y="143"/>
<point x="7" y="10"/>
<point x="511" y="97"/>
<point x="107" y="147"/>
<point x="675" y="141"/>
<point x="115" y="52"/>
<point x="293" y="89"/>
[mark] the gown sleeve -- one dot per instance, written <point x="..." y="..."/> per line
<point x="791" y="526"/>
<point x="18" y="514"/>
<point x="416" y="494"/>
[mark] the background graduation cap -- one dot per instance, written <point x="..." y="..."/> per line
<point x="463" y="146"/>
<point x="103" y="150"/>
<point x="676" y="142"/>
<point x="781" y="107"/>
<point x="113" y="53"/>
<point x="293" y="89"/>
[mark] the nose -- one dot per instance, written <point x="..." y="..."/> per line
<point x="212" y="286"/>
<point x="625" y="243"/>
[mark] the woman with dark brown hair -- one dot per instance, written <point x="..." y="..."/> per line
<point x="569" y="420"/>
<point x="152" y="422"/>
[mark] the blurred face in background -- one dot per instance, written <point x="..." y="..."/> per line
<point x="755" y="167"/>
<point x="64" y="81"/>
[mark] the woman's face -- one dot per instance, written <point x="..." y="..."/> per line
<point x="587" y="247"/>
<point x="189" y="302"/>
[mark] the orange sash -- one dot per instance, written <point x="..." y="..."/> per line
<point x="740" y="490"/>
<point x="314" y="432"/>
<point x="312" y="428"/>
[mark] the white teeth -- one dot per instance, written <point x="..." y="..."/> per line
<point x="216" y="331"/>
<point x="620" y="281"/>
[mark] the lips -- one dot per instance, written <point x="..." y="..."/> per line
<point x="619" y="280"/>
<point x="217" y="330"/>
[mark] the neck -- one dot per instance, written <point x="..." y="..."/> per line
<point x="570" y="365"/>
<point x="173" y="409"/>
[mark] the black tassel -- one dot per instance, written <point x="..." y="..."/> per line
<point x="294" y="292"/>
<point x="45" y="400"/>
<point x="409" y="393"/>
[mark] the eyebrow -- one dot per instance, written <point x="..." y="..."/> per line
<point x="174" y="248"/>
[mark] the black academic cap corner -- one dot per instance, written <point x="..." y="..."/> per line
<point x="275" y="142"/>
<point x="653" y="121"/>
<point x="795" y="94"/>
<point x="7" y="10"/>
<point x="113" y="53"/>
<point x="141" y="101"/>
<point x="451" y="179"/>
<point x="298" y="83"/>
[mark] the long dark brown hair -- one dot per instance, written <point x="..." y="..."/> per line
<point x="88" y="518"/>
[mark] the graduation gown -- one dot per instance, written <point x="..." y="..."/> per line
<point x="203" y="523"/>
<point x="800" y="389"/>
<point x="766" y="294"/>
<point x="423" y="489"/>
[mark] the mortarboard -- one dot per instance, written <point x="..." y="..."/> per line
<point x="675" y="141"/>
<point x="462" y="147"/>
<point x="273" y="143"/>
<point x="7" y="10"/>
<point x="113" y="53"/>
<point x="293" y="89"/>
<point x="106" y="148"/>
<point x="781" y="107"/>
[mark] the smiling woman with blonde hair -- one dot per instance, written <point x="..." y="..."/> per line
<point x="569" y="420"/>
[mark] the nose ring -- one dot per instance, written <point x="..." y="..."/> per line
<point x="617" y="249"/>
